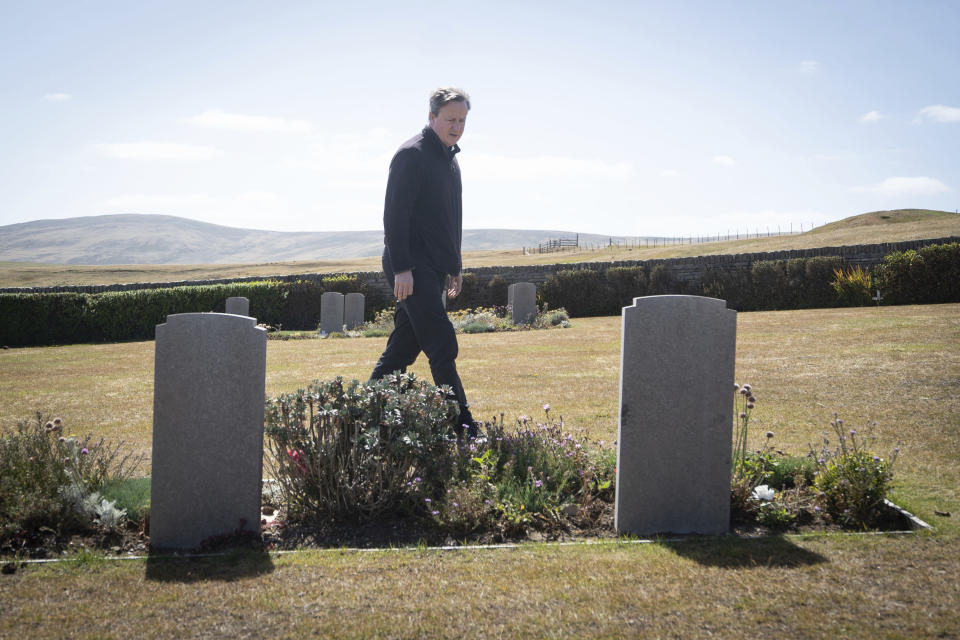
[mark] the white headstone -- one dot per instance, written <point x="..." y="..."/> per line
<point x="331" y="312"/>
<point x="676" y="416"/>
<point x="209" y="373"/>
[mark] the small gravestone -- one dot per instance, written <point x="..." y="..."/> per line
<point x="676" y="415"/>
<point x="522" y="299"/>
<point x="209" y="373"/>
<point x="353" y="310"/>
<point x="238" y="306"/>
<point x="331" y="312"/>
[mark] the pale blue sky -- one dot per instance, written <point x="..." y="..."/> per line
<point x="641" y="118"/>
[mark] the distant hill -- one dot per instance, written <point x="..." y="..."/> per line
<point x="158" y="239"/>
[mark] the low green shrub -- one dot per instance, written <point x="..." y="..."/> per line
<point x="361" y="451"/>
<point x="130" y="494"/>
<point x="549" y="318"/>
<point x="786" y="471"/>
<point x="841" y="483"/>
<point x="478" y="326"/>
<point x="853" y="286"/>
<point x="478" y="320"/>
<point x="535" y="469"/>
<point x="49" y="481"/>
<point x="852" y="481"/>
<point x="357" y="452"/>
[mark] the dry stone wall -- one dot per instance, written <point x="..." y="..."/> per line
<point x="683" y="269"/>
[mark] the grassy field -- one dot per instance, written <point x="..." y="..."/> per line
<point x="869" y="228"/>
<point x="897" y="365"/>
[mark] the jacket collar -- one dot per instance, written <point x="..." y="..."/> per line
<point x="429" y="133"/>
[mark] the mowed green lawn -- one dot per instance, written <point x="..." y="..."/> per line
<point x="899" y="366"/>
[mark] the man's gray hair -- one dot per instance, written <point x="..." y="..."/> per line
<point x="446" y="95"/>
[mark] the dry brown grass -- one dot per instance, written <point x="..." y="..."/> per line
<point x="868" y="228"/>
<point x="791" y="588"/>
<point x="897" y="365"/>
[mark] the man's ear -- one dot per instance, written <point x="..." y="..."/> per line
<point x="431" y="117"/>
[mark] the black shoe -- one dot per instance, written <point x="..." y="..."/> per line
<point x="467" y="427"/>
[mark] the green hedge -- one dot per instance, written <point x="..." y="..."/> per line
<point x="32" y="319"/>
<point x="41" y="319"/>
<point x="133" y="315"/>
<point x="582" y="292"/>
<point x="782" y="284"/>
<point x="930" y="275"/>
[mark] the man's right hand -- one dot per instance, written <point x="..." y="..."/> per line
<point x="403" y="284"/>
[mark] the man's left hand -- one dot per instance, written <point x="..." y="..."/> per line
<point x="456" y="285"/>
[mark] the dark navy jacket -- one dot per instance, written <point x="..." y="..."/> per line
<point x="423" y="210"/>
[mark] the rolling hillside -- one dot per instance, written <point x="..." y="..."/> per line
<point x="868" y="228"/>
<point x="156" y="239"/>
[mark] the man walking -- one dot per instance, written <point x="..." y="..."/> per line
<point x="423" y="229"/>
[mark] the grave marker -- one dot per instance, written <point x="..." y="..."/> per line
<point x="522" y="299"/>
<point x="209" y="373"/>
<point x="353" y="310"/>
<point x="238" y="306"/>
<point x="331" y="312"/>
<point x="676" y="414"/>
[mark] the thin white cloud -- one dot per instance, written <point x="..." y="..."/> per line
<point x="218" y="119"/>
<point x="724" y="161"/>
<point x="871" y="117"/>
<point x="809" y="67"/>
<point x="497" y="167"/>
<point x="669" y="173"/>
<point x="57" y="97"/>
<point x="938" y="113"/>
<point x="904" y="186"/>
<point x="157" y="151"/>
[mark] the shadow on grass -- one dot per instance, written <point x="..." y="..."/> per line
<point x="731" y="552"/>
<point x="234" y="565"/>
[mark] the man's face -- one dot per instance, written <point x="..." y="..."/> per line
<point x="449" y="122"/>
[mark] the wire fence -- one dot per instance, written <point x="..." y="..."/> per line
<point x="576" y="244"/>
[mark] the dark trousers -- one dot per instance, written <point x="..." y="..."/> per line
<point x="421" y="324"/>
